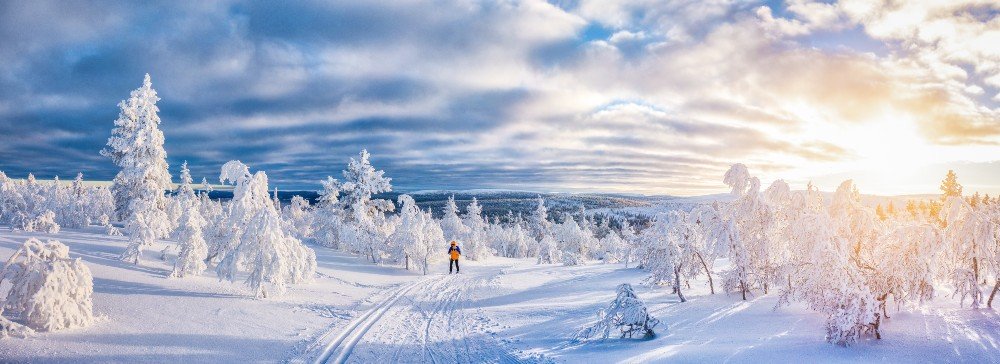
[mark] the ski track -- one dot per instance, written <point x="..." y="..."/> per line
<point x="344" y="343"/>
<point x="427" y="321"/>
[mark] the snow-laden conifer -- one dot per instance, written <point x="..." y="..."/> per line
<point x="328" y="217"/>
<point x="548" y="251"/>
<point x="136" y="146"/>
<point x="190" y="238"/>
<point x="417" y="235"/>
<point x="259" y="245"/>
<point x="475" y="239"/>
<point x="451" y="223"/>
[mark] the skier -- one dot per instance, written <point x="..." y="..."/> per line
<point x="454" y="252"/>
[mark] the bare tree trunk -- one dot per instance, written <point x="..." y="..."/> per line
<point x="743" y="289"/>
<point x="882" y="302"/>
<point x="407" y="261"/>
<point x="711" y="285"/>
<point x="996" y="287"/>
<point x="677" y="283"/>
<point x="975" y="269"/>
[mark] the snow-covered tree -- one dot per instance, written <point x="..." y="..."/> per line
<point x="136" y="146"/>
<point x="907" y="252"/>
<point x="750" y="218"/>
<point x="418" y="235"/>
<point x="616" y="247"/>
<point x="76" y="206"/>
<point x="328" y="218"/>
<point x="971" y="238"/>
<point x="538" y="221"/>
<point x="631" y="240"/>
<point x="451" y="223"/>
<point x="48" y="290"/>
<point x="44" y="222"/>
<point x="510" y="241"/>
<point x="193" y="249"/>
<point x="626" y="314"/>
<point x="574" y="242"/>
<point x="299" y="217"/>
<point x="365" y="229"/>
<point x="476" y="245"/>
<point x="825" y="278"/>
<point x="260" y="246"/>
<point x="548" y="250"/>
<point x="674" y="248"/>
<point x="190" y="238"/>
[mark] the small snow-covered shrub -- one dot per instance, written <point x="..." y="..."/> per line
<point x="548" y="250"/>
<point x="44" y="222"/>
<point x="626" y="313"/>
<point x="111" y="230"/>
<point x="49" y="291"/>
<point x="11" y="328"/>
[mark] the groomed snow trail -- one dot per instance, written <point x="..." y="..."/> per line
<point x="427" y="321"/>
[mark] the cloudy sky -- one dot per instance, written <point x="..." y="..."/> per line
<point x="655" y="97"/>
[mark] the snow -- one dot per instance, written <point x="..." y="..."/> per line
<point x="141" y="315"/>
<point x="500" y="310"/>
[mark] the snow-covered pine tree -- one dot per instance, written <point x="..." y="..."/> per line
<point x="136" y="146"/>
<point x="190" y="238"/>
<point x="77" y="205"/>
<point x="548" y="250"/>
<point x="46" y="223"/>
<point x="417" y="234"/>
<point x="451" y="223"/>
<point x="574" y="242"/>
<point x="477" y="248"/>
<point x="538" y="221"/>
<point x="260" y="246"/>
<point x="49" y="291"/>
<point x="193" y="249"/>
<point x="365" y="229"/>
<point x="616" y="247"/>
<point x="631" y="240"/>
<point x="626" y="314"/>
<point x="510" y="241"/>
<point x="328" y="218"/>
<point x="298" y="215"/>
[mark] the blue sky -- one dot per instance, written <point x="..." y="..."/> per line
<point x="656" y="97"/>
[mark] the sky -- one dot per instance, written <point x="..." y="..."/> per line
<point x="631" y="96"/>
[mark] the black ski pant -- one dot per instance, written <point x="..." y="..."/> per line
<point x="454" y="263"/>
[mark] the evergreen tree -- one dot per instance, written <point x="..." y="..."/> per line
<point x="950" y="186"/>
<point x="136" y="146"/>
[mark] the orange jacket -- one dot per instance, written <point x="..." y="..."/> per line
<point x="455" y="252"/>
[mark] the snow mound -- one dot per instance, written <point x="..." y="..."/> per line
<point x="49" y="291"/>
<point x="626" y="313"/>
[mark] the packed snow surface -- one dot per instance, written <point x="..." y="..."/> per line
<point x="503" y="310"/>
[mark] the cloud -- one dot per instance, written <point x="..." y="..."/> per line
<point x="639" y="96"/>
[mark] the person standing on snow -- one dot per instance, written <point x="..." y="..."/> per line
<point x="454" y="252"/>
